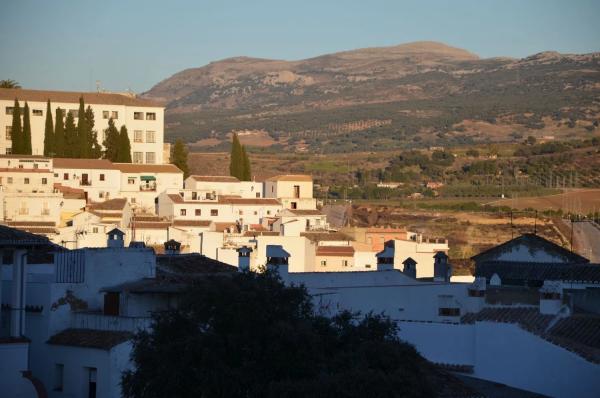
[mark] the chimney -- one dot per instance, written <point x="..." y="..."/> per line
<point x="115" y="238"/>
<point x="385" y="258"/>
<point x="244" y="258"/>
<point x="441" y="268"/>
<point x="277" y="260"/>
<point x="410" y="267"/>
<point x="551" y="297"/>
<point x="172" y="247"/>
<point x="476" y="294"/>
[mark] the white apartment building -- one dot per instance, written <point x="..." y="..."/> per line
<point x="99" y="178"/>
<point x="294" y="191"/>
<point x="143" y="118"/>
<point x="225" y="185"/>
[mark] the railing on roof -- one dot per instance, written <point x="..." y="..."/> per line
<point x="99" y="321"/>
<point x="69" y="266"/>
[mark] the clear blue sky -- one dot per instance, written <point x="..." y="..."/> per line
<point x="68" y="45"/>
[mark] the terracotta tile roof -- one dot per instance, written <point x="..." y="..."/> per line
<point x="335" y="251"/>
<point x="249" y="201"/>
<point x="67" y="163"/>
<point x="222" y="226"/>
<point x="24" y="170"/>
<point x="261" y="233"/>
<point x="147" y="168"/>
<point x="258" y="227"/>
<point x="150" y="224"/>
<point x="107" y="214"/>
<point x="306" y="212"/>
<point x="70" y="193"/>
<point x="89" y="338"/>
<point x="176" y="198"/>
<point x="73" y="97"/>
<point x="325" y="236"/>
<point x="215" y="178"/>
<point x="191" y="223"/>
<point x="30" y="223"/>
<point x="112" y="204"/>
<point x="291" y="177"/>
<point x="148" y="217"/>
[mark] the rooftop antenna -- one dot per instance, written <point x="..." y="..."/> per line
<point x="98" y="86"/>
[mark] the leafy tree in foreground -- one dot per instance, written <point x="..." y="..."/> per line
<point x="111" y="141"/>
<point x="179" y="157"/>
<point x="59" y="134"/>
<point x="26" y="136"/>
<point x="71" y="149"/>
<point x="247" y="335"/>
<point x="236" y="162"/>
<point x="49" y="132"/>
<point x="9" y="83"/>
<point x="124" y="150"/>
<point x="17" y="130"/>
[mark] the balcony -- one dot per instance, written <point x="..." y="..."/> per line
<point x="148" y="187"/>
<point x="85" y="183"/>
<point x="99" y="321"/>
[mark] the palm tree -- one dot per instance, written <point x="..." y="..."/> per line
<point x="9" y="83"/>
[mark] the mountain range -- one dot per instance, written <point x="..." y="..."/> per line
<point x="415" y="94"/>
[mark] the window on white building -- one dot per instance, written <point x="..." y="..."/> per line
<point x="150" y="136"/>
<point x="150" y="157"/>
<point x="138" y="136"/>
<point x="91" y="382"/>
<point x="66" y="176"/>
<point x="131" y="180"/>
<point x="74" y="112"/>
<point x="114" y="115"/>
<point x="345" y="263"/>
<point x="258" y="194"/>
<point x="105" y="114"/>
<point x="37" y="112"/>
<point x="8" y="133"/>
<point x="101" y="177"/>
<point x="9" y="180"/>
<point x="323" y="263"/>
<point x="182" y="212"/>
<point x="59" y="371"/>
<point x="150" y="116"/>
<point x="44" y="181"/>
<point x="26" y="180"/>
<point x="9" y="110"/>
<point x="8" y="151"/>
<point x="198" y="212"/>
<point x="95" y="230"/>
<point x="138" y="157"/>
<point x="138" y="115"/>
<point x="214" y="212"/>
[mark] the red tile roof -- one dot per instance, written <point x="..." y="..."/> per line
<point x="335" y="251"/>
<point x="191" y="223"/>
<point x="215" y="178"/>
<point x="88" y="338"/>
<point x="88" y="164"/>
<point x="73" y="97"/>
<point x="112" y="204"/>
<point x="147" y="168"/>
<point x="23" y="170"/>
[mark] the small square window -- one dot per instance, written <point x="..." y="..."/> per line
<point x="150" y="116"/>
<point x="150" y="157"/>
<point x="114" y="115"/>
<point x="8" y="151"/>
<point x="138" y="136"/>
<point x="9" y="110"/>
<point x="9" y="180"/>
<point x="131" y="180"/>
<point x="101" y="177"/>
<point x="138" y="115"/>
<point x="66" y="176"/>
<point x="95" y="230"/>
<point x="37" y="112"/>
<point x="214" y="212"/>
<point x="26" y="180"/>
<point x="150" y="136"/>
<point x="105" y="114"/>
<point x="323" y="263"/>
<point x="44" y="181"/>
<point x="198" y="212"/>
<point x="182" y="212"/>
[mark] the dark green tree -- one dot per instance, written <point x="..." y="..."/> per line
<point x="111" y="141"/>
<point x="236" y="162"/>
<point x="59" y="134"/>
<point x="83" y="132"/>
<point x="179" y="157"/>
<point x="17" y="130"/>
<point x="26" y="131"/>
<point x="95" y="148"/>
<point x="49" y="132"/>
<point x="246" y="172"/>
<point x="248" y="335"/>
<point x="71" y="148"/>
<point x="124" y="151"/>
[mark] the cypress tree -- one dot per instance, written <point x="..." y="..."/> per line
<point x="179" y="157"/>
<point x="236" y="163"/>
<point x="49" y="133"/>
<point x="59" y="134"/>
<point x="111" y="141"/>
<point x="71" y="150"/>
<point x="16" y="134"/>
<point x="124" y="152"/>
<point x="83" y="133"/>
<point x="95" y="148"/>
<point x="26" y="131"/>
<point x="247" y="173"/>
